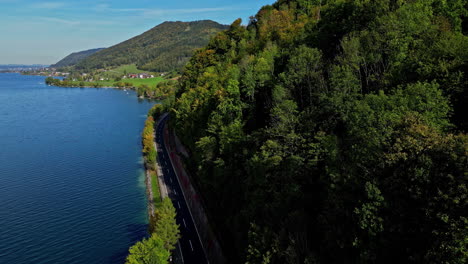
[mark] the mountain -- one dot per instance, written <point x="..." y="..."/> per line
<point x="333" y="131"/>
<point x="75" y="58"/>
<point x="165" y="47"/>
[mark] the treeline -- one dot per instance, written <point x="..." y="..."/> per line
<point x="149" y="149"/>
<point x="68" y="83"/>
<point x="334" y="132"/>
<point x="163" y="228"/>
<point x="157" y="248"/>
<point x="160" y="91"/>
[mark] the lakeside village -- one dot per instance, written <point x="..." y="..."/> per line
<point x="89" y="77"/>
<point x="147" y="85"/>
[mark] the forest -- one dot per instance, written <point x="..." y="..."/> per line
<point x="333" y="131"/>
<point x="75" y="58"/>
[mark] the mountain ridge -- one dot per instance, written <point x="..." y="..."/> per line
<point x="75" y="57"/>
<point x="165" y="47"/>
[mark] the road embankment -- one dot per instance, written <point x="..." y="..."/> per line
<point x="207" y="236"/>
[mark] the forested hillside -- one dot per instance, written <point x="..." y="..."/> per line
<point x="165" y="47"/>
<point x="74" y="58"/>
<point x="333" y="131"/>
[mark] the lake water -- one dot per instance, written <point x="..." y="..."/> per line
<point x="71" y="177"/>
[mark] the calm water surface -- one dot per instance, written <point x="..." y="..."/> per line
<point x="71" y="180"/>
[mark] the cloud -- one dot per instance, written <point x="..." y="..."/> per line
<point x="60" y="21"/>
<point x="48" y="5"/>
<point x="108" y="8"/>
<point x="156" y="12"/>
<point x="159" y="12"/>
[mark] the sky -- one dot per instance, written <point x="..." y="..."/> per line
<point x="43" y="32"/>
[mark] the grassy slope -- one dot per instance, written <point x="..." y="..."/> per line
<point x="122" y="70"/>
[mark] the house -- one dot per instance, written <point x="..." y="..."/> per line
<point x="144" y="76"/>
<point x="139" y="76"/>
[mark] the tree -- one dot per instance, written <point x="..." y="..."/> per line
<point x="149" y="251"/>
<point x="166" y="227"/>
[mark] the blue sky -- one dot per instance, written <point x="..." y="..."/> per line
<point x="43" y="32"/>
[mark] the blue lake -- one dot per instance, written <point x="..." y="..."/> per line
<point x="71" y="177"/>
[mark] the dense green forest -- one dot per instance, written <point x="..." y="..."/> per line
<point x="163" y="48"/>
<point x="333" y="131"/>
<point x="74" y="58"/>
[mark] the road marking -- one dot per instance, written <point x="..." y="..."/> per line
<point x="178" y="204"/>
<point x="191" y="244"/>
<point x="180" y="250"/>
<point x="175" y="192"/>
<point x="170" y="179"/>
<point x="190" y="211"/>
<point x="183" y="219"/>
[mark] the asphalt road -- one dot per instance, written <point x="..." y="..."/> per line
<point x="190" y="244"/>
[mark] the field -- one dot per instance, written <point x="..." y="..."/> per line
<point x="123" y="70"/>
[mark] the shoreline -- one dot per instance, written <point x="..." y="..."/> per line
<point x="149" y="174"/>
<point x="110" y="87"/>
<point x="149" y="193"/>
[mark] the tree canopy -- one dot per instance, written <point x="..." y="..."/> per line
<point x="333" y="131"/>
<point x="157" y="248"/>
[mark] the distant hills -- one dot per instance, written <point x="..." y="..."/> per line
<point x="21" y="67"/>
<point x="163" y="48"/>
<point x="75" y="58"/>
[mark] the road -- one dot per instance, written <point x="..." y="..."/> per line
<point x="192" y="250"/>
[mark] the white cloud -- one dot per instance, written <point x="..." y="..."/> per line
<point x="60" y="21"/>
<point x="156" y="12"/>
<point x="159" y="12"/>
<point x="49" y="5"/>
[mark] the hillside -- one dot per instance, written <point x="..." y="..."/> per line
<point x="333" y="131"/>
<point x="165" y="47"/>
<point x="75" y="58"/>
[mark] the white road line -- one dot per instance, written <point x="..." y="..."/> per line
<point x="175" y="192"/>
<point x="191" y="244"/>
<point x="178" y="204"/>
<point x="180" y="250"/>
<point x="191" y="216"/>
<point x="170" y="179"/>
<point x="183" y="219"/>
